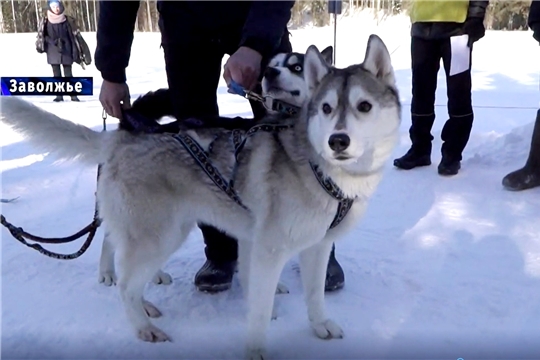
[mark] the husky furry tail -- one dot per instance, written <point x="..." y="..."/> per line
<point x="62" y="138"/>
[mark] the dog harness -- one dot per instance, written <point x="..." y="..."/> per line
<point x="201" y="158"/>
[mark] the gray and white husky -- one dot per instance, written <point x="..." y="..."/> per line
<point x="152" y="193"/>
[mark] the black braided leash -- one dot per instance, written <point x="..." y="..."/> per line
<point x="91" y="229"/>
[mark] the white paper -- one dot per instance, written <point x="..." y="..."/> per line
<point x="460" y="57"/>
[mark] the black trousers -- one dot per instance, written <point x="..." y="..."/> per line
<point x="57" y="72"/>
<point x="193" y="69"/>
<point x="426" y="57"/>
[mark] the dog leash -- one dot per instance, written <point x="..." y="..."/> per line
<point x="22" y="236"/>
<point x="276" y="105"/>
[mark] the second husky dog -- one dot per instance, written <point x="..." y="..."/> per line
<point x="288" y="187"/>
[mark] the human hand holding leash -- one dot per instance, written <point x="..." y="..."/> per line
<point x="243" y="67"/>
<point x="113" y="97"/>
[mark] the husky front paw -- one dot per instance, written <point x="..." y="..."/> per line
<point x="255" y="354"/>
<point x="162" y="278"/>
<point x="107" y="278"/>
<point x="150" y="333"/>
<point x="327" y="329"/>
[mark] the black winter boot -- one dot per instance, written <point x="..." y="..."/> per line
<point x="528" y="176"/>
<point x="215" y="277"/>
<point x="335" y="278"/>
<point x="58" y="98"/>
<point x="449" y="167"/>
<point x="413" y="158"/>
<point x="221" y="253"/>
<point x="420" y="152"/>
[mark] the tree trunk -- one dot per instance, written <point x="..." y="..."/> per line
<point x="88" y="16"/>
<point x="95" y="15"/>
<point x="13" y="14"/>
<point x="37" y="14"/>
<point x="149" y="14"/>
<point x="1" y="20"/>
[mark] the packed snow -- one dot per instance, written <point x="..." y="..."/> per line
<point x="438" y="267"/>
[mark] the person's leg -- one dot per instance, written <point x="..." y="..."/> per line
<point x="426" y="57"/>
<point x="68" y="72"/>
<point x="527" y="177"/>
<point x="57" y="72"/>
<point x="457" y="129"/>
<point x="193" y="70"/>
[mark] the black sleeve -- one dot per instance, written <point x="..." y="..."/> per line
<point x="114" y="38"/>
<point x="477" y="9"/>
<point x="534" y="15"/>
<point x="265" y="25"/>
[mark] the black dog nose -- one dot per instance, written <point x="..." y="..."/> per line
<point x="339" y="142"/>
<point x="271" y="73"/>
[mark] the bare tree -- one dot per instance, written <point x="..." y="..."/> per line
<point x="2" y="29"/>
<point x="37" y="13"/>
<point x="149" y="14"/>
<point x="95" y="15"/>
<point x="88" y="16"/>
<point x="14" y="18"/>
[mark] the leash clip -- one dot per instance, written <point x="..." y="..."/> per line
<point x="247" y="94"/>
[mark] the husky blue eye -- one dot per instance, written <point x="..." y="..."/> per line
<point x="364" y="106"/>
<point x="327" y="109"/>
<point x="295" y="68"/>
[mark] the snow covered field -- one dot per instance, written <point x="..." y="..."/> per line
<point x="438" y="268"/>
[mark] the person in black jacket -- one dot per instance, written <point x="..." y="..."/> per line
<point x="195" y="35"/>
<point x="56" y="37"/>
<point x="435" y="23"/>
<point x="528" y="177"/>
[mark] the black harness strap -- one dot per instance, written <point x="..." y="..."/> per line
<point x="200" y="156"/>
<point x="239" y="139"/>
<point x="334" y="191"/>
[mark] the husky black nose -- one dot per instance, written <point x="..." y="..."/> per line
<point x="271" y="73"/>
<point x="339" y="142"/>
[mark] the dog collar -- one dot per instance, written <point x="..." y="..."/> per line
<point x="283" y="107"/>
<point x="276" y="105"/>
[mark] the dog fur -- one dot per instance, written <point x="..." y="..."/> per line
<point x="152" y="193"/>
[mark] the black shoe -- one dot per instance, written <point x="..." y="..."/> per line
<point x="58" y="98"/>
<point x="412" y="159"/>
<point x="215" y="277"/>
<point x="522" y="179"/>
<point x="75" y="98"/>
<point x="449" y="167"/>
<point x="335" y="278"/>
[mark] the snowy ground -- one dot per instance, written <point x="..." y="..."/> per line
<point x="438" y="268"/>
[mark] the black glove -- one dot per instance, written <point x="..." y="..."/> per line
<point x="474" y="27"/>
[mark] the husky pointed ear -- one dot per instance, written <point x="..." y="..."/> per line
<point x="378" y="61"/>
<point x="328" y="55"/>
<point x="315" y="68"/>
